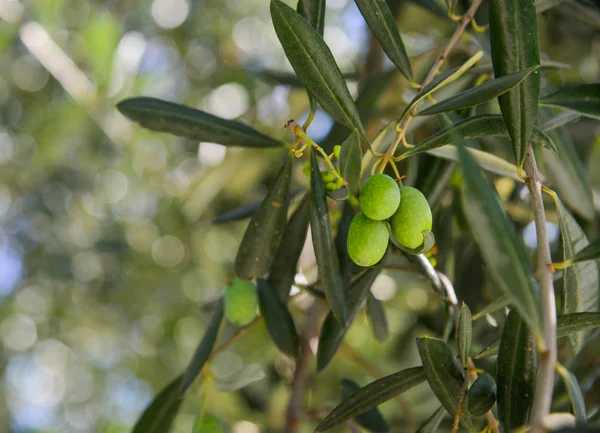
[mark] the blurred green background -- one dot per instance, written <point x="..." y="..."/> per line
<point x="108" y="258"/>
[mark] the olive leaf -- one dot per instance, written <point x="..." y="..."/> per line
<point x="583" y="99"/>
<point x="381" y="21"/>
<point x="376" y="314"/>
<point x="163" y="116"/>
<point x="373" y="395"/>
<point x="263" y="235"/>
<point x="313" y="12"/>
<point x="241" y="378"/>
<point x="350" y="159"/>
<point x="159" y="415"/>
<point x="591" y="252"/>
<point x="515" y="46"/>
<point x="516" y="371"/>
<point x="314" y="64"/>
<point x="371" y="419"/>
<point x="433" y="422"/>
<point x="290" y="78"/>
<point x="497" y="304"/>
<point x="465" y="333"/>
<point x="481" y="397"/>
<point x="245" y="211"/>
<point x="575" y="395"/>
<point x="480" y="94"/>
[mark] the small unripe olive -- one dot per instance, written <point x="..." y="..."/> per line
<point x="412" y="218"/>
<point x="337" y="150"/>
<point x="379" y="197"/>
<point x="367" y="240"/>
<point x="241" y="301"/>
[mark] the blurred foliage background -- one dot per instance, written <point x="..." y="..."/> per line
<point x="109" y="260"/>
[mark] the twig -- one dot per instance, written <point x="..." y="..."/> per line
<point x="547" y="351"/>
<point x="461" y="404"/>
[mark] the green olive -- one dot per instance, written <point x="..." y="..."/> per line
<point x="367" y="240"/>
<point x="379" y="197"/>
<point x="412" y="218"/>
<point x="241" y="301"/>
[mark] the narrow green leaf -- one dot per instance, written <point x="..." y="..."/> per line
<point x="350" y="159"/>
<point x="547" y="65"/>
<point x="465" y="333"/>
<point x="263" y="235"/>
<point x="575" y="394"/>
<point x="243" y="212"/>
<point x="583" y="99"/>
<point x="579" y="290"/>
<point x="561" y="119"/>
<point x="371" y="419"/>
<point x="176" y="119"/>
<point x="376" y="313"/>
<point x="444" y="374"/>
<point x="515" y="375"/>
<point x="381" y="21"/>
<point x="481" y="396"/>
<point x="434" y="421"/>
<point x="332" y="332"/>
<point x="373" y="395"/>
<point x="313" y="12"/>
<point x="158" y="417"/>
<point x="515" y="46"/>
<point x="323" y="242"/>
<point x="285" y="263"/>
<point x="314" y="64"/>
<point x="203" y="350"/>
<point x="500" y="247"/>
<point x="480" y="94"/>
<point x="278" y="319"/>
<point x="492" y="307"/>
<point x="241" y="378"/>
<point x="591" y="252"/>
<point x="290" y="78"/>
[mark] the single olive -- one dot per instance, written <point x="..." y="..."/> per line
<point x="241" y="302"/>
<point x="379" y="197"/>
<point x="367" y="240"/>
<point x="481" y="396"/>
<point x="412" y="218"/>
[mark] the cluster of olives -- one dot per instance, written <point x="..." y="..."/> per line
<point x="240" y="302"/>
<point x="382" y="199"/>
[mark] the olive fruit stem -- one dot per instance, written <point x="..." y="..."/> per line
<point x="461" y="404"/>
<point x="309" y="120"/>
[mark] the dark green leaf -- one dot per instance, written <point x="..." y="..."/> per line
<point x="434" y="421"/>
<point x="373" y="395"/>
<point x="291" y="79"/>
<point x="244" y="211"/>
<point x="444" y="374"/>
<point x="381" y="21"/>
<point x="514" y="39"/>
<point x="323" y="243"/>
<point x="158" y="417"/>
<point x="203" y="350"/>
<point x="578" y="429"/>
<point x="370" y="419"/>
<point x="350" y="160"/>
<point x="583" y="99"/>
<point x="285" y="263"/>
<point x="465" y="333"/>
<point x="332" y="332"/>
<point x="313" y="12"/>
<point x="575" y="394"/>
<point x="266" y="228"/>
<point x="579" y="290"/>
<point x="481" y="396"/>
<point x="278" y="319"/>
<point x="487" y="67"/>
<point x="176" y="119"/>
<point x="314" y="64"/>
<point x="500" y="247"/>
<point x="516" y="370"/>
<point x="376" y="313"/>
<point x="480" y="94"/>
<point x="591" y="252"/>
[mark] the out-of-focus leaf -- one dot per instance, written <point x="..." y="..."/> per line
<point x="481" y="396"/>
<point x="575" y="394"/>
<point x="244" y="211"/>
<point x="465" y="333"/>
<point x="487" y="67"/>
<point x="434" y="421"/>
<point x="544" y="5"/>
<point x="591" y="252"/>
<point x="206" y="423"/>
<point x="444" y="375"/>
<point x="350" y="159"/>
<point x="559" y="120"/>
<point x="373" y="395"/>
<point x="492" y="307"/>
<point x="381" y="21"/>
<point x="376" y="313"/>
<point x="263" y="235"/>
<point x="158" y="417"/>
<point x="580" y="282"/>
<point x="515" y="46"/>
<point x="500" y="247"/>
<point x="203" y="350"/>
<point x="290" y="79"/>
<point x="278" y="319"/>
<point x="583" y="99"/>
<point x="248" y="374"/>
<point x="516" y="371"/>
<point x="163" y="116"/>
<point x="480" y="94"/>
<point x="332" y="331"/>
<point x="578" y="429"/>
<point x="370" y="419"/>
<point x="101" y="35"/>
<point x="314" y="64"/>
<point x="323" y="243"/>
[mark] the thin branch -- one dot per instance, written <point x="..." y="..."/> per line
<point x="547" y="351"/>
<point x="461" y="404"/>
